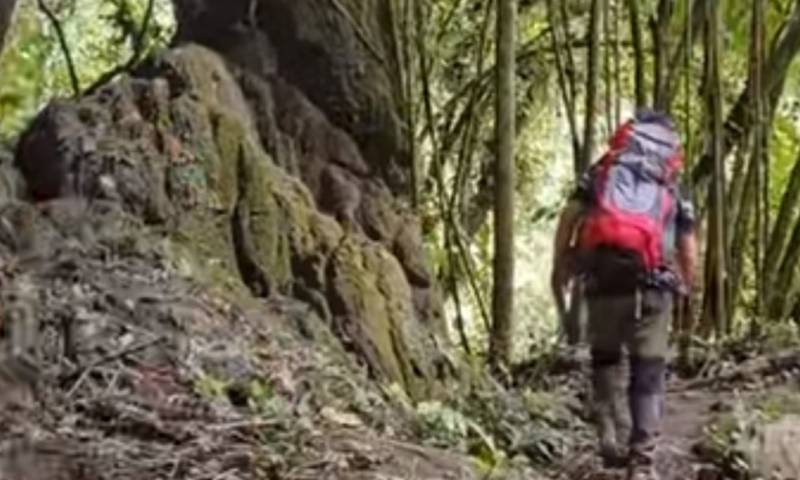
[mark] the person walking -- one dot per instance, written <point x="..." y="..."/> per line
<point x="629" y="235"/>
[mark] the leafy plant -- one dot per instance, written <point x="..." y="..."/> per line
<point x="210" y="387"/>
<point x="442" y="424"/>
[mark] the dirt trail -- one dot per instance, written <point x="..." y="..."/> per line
<point x="689" y="408"/>
<point x="686" y="412"/>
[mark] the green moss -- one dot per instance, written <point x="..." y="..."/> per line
<point x="267" y="222"/>
<point x="210" y="387"/>
<point x="203" y="70"/>
<point x="224" y="184"/>
<point x="310" y="232"/>
<point x="200" y="260"/>
<point x="222" y="169"/>
<point x="356" y="287"/>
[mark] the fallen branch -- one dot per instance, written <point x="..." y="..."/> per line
<point x="754" y="368"/>
<point x="271" y="422"/>
<point x="81" y="371"/>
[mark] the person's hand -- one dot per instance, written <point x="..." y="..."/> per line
<point x="683" y="291"/>
<point x="558" y="281"/>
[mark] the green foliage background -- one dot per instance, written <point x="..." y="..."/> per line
<point x="100" y="34"/>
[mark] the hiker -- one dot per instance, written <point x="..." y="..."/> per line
<point x="628" y="235"/>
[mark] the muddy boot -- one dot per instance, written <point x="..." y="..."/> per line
<point x="622" y="411"/>
<point x="646" y="391"/>
<point x="641" y="466"/>
<point x="606" y="383"/>
<point x="641" y="462"/>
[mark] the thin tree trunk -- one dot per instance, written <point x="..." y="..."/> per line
<point x="608" y="79"/>
<point x="572" y="69"/>
<point x="7" y="8"/>
<point x="685" y="318"/>
<point x="503" y="288"/>
<point x="470" y="135"/>
<point x="759" y="153"/>
<point x="781" y="298"/>
<point x="739" y="122"/>
<point x="617" y="66"/>
<point x="62" y="41"/>
<point x="787" y="214"/>
<point x="592" y="75"/>
<point x="743" y="202"/>
<point x="695" y="17"/>
<point x="687" y="86"/>
<point x="408" y="20"/>
<point x="565" y="80"/>
<point x="717" y="242"/>
<point x="660" y="28"/>
<point x="737" y="188"/>
<point x="638" y="53"/>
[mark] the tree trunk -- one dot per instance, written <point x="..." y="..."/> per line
<point x="592" y="75"/>
<point x="660" y="31"/>
<point x="787" y="214"/>
<point x="739" y="122"/>
<point x="638" y="53"/>
<point x="742" y="198"/>
<point x="503" y="294"/>
<point x="760" y="154"/>
<point x="566" y="78"/>
<point x="608" y="78"/>
<point x="617" y="66"/>
<point x="717" y="251"/>
<point x="693" y="25"/>
<point x="6" y="15"/>
<point x="781" y="298"/>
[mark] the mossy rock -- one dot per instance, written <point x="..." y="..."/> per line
<point x="178" y="148"/>
<point x="372" y="301"/>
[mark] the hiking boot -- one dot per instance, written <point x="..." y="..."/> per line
<point x="642" y="472"/>
<point x="622" y="410"/>
<point x="646" y="402"/>
<point x="612" y="453"/>
<point x="609" y="410"/>
<point x="641" y="465"/>
<point x="646" y="414"/>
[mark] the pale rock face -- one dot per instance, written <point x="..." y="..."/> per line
<point x="777" y="451"/>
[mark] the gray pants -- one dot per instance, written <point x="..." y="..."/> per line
<point x="639" y="323"/>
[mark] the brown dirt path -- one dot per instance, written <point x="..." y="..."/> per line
<point x="687" y="412"/>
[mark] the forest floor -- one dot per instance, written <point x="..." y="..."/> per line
<point x="144" y="373"/>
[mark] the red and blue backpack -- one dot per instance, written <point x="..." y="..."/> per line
<point x="625" y="236"/>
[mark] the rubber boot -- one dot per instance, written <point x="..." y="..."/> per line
<point x="608" y="389"/>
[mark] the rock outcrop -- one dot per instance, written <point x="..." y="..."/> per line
<point x="120" y="360"/>
<point x="180" y="146"/>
